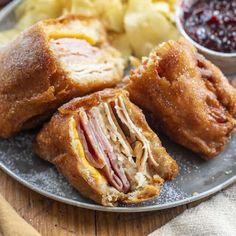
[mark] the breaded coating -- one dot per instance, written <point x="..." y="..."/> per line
<point x="50" y="63"/>
<point x="193" y="102"/>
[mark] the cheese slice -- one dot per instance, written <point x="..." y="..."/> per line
<point x="70" y="34"/>
<point x="78" y="148"/>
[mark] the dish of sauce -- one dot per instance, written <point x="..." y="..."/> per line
<point x="212" y="23"/>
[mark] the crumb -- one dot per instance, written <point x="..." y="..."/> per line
<point x="195" y="193"/>
<point x="228" y="172"/>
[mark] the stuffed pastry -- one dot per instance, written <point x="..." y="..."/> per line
<point x="104" y="147"/>
<point x="193" y="102"/>
<point x="50" y="63"/>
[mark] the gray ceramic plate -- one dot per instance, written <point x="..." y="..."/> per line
<point x="197" y="178"/>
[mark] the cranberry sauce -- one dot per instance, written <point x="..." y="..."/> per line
<point x="212" y="23"/>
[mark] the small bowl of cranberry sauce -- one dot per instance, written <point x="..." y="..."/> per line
<point x="210" y="25"/>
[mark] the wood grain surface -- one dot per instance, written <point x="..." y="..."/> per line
<point x="53" y="218"/>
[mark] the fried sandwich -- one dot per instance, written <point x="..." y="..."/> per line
<point x="104" y="147"/>
<point x="193" y="102"/>
<point x="50" y="63"/>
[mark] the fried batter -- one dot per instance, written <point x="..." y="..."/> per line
<point x="104" y="147"/>
<point x="194" y="104"/>
<point x="50" y="63"/>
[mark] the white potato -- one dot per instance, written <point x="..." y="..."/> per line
<point x="146" y="26"/>
<point x="30" y="12"/>
<point x="112" y="13"/>
<point x="134" y="26"/>
<point x="84" y="7"/>
<point x="39" y="8"/>
<point x="121" y="43"/>
<point x="7" y="36"/>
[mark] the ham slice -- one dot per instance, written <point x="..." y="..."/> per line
<point x="117" y="139"/>
<point x="111" y="140"/>
<point x="88" y="149"/>
<point x="94" y="139"/>
<point x="110" y="153"/>
<point x="91" y="140"/>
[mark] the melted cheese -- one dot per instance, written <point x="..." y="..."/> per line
<point x="80" y="155"/>
<point x="70" y="34"/>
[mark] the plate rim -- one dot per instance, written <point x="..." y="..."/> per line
<point x="90" y="206"/>
<point x="3" y="13"/>
<point x="8" y="8"/>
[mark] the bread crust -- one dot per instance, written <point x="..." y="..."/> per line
<point x="33" y="82"/>
<point x="53" y="144"/>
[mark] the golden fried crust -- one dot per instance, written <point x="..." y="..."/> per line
<point x="26" y="66"/>
<point x="54" y="144"/>
<point x="89" y="101"/>
<point x="193" y="102"/>
<point x="33" y="82"/>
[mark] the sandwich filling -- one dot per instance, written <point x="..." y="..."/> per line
<point x="114" y="145"/>
<point x="83" y="56"/>
<point x="84" y="62"/>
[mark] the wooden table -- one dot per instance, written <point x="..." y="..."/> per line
<point x="52" y="218"/>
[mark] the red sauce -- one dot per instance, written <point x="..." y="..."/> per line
<point x="212" y="23"/>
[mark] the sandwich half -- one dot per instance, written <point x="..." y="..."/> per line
<point x="104" y="147"/>
<point x="193" y="102"/>
<point x="50" y="63"/>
